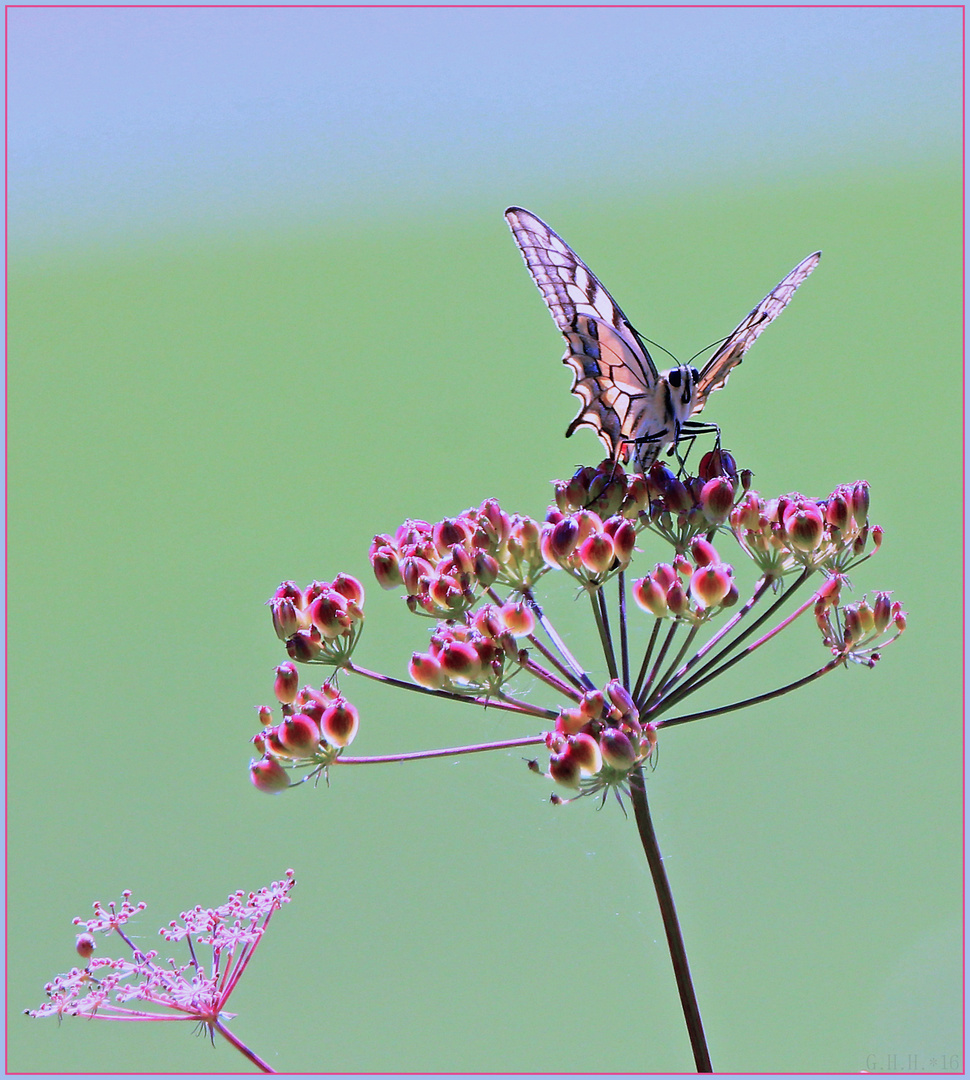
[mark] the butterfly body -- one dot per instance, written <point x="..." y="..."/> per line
<point x="626" y="400"/>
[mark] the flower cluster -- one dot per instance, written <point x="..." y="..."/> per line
<point x="316" y="726"/>
<point x="597" y="744"/>
<point x="321" y="623"/>
<point x="475" y="575"/>
<point x="165" y="990"/>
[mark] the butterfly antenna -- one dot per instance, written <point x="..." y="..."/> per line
<point x="713" y="345"/>
<point x="655" y="344"/>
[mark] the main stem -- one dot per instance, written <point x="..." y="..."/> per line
<point x="675" y="942"/>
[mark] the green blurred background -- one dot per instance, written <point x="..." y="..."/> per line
<point x="262" y="305"/>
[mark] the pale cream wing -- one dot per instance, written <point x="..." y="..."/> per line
<point x="614" y="375"/>
<point x="715" y="372"/>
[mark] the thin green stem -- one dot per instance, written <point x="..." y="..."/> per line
<point x="624" y="643"/>
<point x="668" y="913"/>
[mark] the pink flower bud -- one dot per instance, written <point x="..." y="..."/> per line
<point x="596" y="553"/>
<point x="349" y="588"/>
<point x="299" y="734"/>
<point x="287" y="683"/>
<point x="84" y="945"/>
<point x="518" y="618"/>
<point x="618" y="752"/>
<point x="328" y="613"/>
<point x="592" y="704"/>
<point x="559" y="540"/>
<point x="570" y="721"/>
<point x="265" y="714"/>
<point x="564" y="770"/>
<point x="303" y="646"/>
<point x="710" y="584"/>
<point x="286" y="620"/>
<point x="677" y="602"/>
<point x="585" y="751"/>
<point x="486" y="568"/>
<point x="459" y="660"/>
<point x="426" y="671"/>
<point x="650" y="596"/>
<point x="387" y="569"/>
<point x="268" y="775"/>
<point x="413" y="568"/>
<point x="702" y="552"/>
<point x="717" y="499"/>
<point x="288" y="590"/>
<point x="620" y="697"/>
<point x="803" y="524"/>
<point x="716" y="463"/>
<point x="448" y="532"/>
<point x="339" y="724"/>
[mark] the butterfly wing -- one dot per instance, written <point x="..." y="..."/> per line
<point x="715" y="372"/>
<point x="613" y="373"/>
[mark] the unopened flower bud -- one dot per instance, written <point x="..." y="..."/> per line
<point x="650" y="596"/>
<point x="564" y="770"/>
<point x="596" y="553"/>
<point x="84" y="945"/>
<point x="618" y="752"/>
<point x="303" y="646"/>
<point x="350" y="588"/>
<point x="620" y="697"/>
<point x="387" y="569"/>
<point x="717" y="499"/>
<point x="518" y="618"/>
<point x="426" y="671"/>
<point x="585" y="751"/>
<point x="268" y="775"/>
<point x="286" y="620"/>
<point x="287" y="683"/>
<point x="339" y="724"/>
<point x="703" y="552"/>
<point x="299" y="734"/>
<point x="709" y="585"/>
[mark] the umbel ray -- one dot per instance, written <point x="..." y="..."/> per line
<point x="626" y="400"/>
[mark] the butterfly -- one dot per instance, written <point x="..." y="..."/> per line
<point x="626" y="400"/>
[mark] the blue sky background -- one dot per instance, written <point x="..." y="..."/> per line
<point x="137" y="119"/>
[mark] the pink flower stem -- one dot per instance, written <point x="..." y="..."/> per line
<point x="551" y="657"/>
<point x="598" y="602"/>
<point x="550" y="680"/>
<point x="668" y="913"/>
<point x="674" y="627"/>
<point x="705" y="674"/>
<point x="586" y="682"/>
<point x="646" y="658"/>
<point x="786" y="689"/>
<point x="449" y="751"/>
<point x="665" y="679"/>
<point x="508" y="705"/>
<point x="624" y="642"/>
<point x="218" y="1025"/>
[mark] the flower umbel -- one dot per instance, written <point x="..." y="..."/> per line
<point x="475" y="576"/>
<point x="196" y="990"/>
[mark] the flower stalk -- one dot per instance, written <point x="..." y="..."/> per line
<point x="475" y="576"/>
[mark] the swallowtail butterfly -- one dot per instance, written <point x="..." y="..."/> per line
<point x="626" y="400"/>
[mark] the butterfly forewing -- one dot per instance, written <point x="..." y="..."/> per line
<point x="614" y="374"/>
<point x="715" y="372"/>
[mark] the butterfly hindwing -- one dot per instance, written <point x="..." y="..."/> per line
<point x="715" y="372"/>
